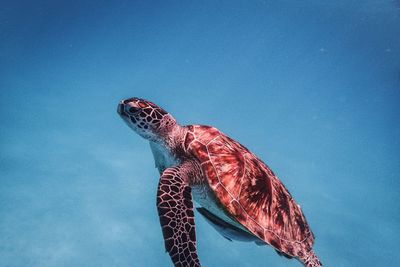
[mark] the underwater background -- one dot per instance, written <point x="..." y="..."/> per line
<point x="312" y="87"/>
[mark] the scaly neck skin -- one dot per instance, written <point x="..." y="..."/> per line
<point x="172" y="139"/>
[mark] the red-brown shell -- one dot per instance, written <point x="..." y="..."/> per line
<point x="249" y="190"/>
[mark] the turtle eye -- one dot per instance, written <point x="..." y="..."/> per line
<point x="133" y="110"/>
<point x="142" y="104"/>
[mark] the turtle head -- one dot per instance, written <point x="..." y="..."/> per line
<point x="146" y="118"/>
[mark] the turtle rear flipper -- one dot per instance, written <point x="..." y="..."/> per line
<point x="280" y="253"/>
<point x="226" y="229"/>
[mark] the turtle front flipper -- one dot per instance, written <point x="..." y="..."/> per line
<point x="175" y="209"/>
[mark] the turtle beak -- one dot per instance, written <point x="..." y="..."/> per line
<point x="121" y="108"/>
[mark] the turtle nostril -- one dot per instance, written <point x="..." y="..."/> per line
<point x="126" y="101"/>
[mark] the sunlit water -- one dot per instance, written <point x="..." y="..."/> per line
<point x="312" y="87"/>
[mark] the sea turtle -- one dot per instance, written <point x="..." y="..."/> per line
<point x="238" y="194"/>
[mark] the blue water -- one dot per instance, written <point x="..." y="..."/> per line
<point x="312" y="87"/>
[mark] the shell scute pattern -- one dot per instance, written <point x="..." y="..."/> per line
<point x="250" y="191"/>
<point x="209" y="169"/>
<point x="228" y="164"/>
